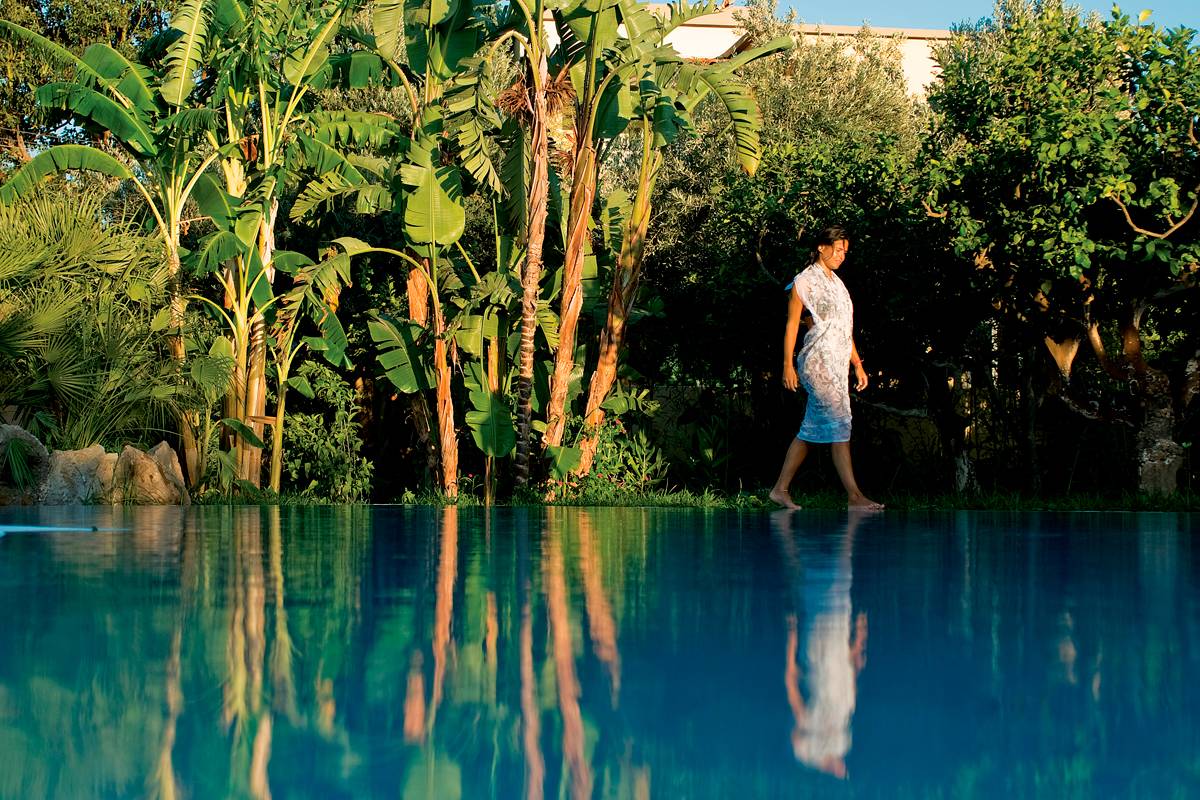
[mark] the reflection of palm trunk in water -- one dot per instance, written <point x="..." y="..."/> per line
<point x="417" y="723"/>
<point x="601" y="625"/>
<point x="246" y="650"/>
<point x="283" y="684"/>
<point x="564" y="666"/>
<point x="833" y="655"/>
<point x="531" y="727"/>
<point x="166" y="783"/>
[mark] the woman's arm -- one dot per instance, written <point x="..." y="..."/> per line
<point x="790" y="332"/>
<point x="859" y="373"/>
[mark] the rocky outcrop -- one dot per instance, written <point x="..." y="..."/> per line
<point x="153" y="478"/>
<point x="37" y="458"/>
<point x="77" y="476"/>
<point x="90" y="475"/>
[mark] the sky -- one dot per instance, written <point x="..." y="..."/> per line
<point x="944" y="13"/>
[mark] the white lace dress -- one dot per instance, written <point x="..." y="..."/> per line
<point x="823" y="363"/>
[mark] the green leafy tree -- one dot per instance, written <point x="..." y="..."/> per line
<point x="1065" y="164"/>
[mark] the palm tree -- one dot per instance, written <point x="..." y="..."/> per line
<point x="664" y="112"/>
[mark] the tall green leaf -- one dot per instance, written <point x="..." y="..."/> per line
<point x="399" y="353"/>
<point x="56" y="160"/>
<point x="185" y="56"/>
<point x="433" y="212"/>
<point x="103" y="112"/>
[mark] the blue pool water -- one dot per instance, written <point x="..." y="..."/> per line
<point x="609" y="653"/>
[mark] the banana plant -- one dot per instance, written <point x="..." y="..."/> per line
<point x="610" y="51"/>
<point x="155" y="125"/>
<point x="667" y="100"/>
<point x="270" y="61"/>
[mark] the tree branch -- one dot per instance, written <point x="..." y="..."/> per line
<point x="1153" y="234"/>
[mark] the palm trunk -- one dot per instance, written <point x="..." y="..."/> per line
<point x="620" y="303"/>
<point x="249" y="456"/>
<point x="531" y="275"/>
<point x="188" y="420"/>
<point x="583" y="192"/>
<point x="447" y="438"/>
<point x="493" y="382"/>
<point x="277" y="432"/>
<point x="418" y="312"/>
<point x="256" y="378"/>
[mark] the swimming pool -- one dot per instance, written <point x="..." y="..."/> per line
<point x="615" y="653"/>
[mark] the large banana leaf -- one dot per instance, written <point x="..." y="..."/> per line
<point x="327" y="190"/>
<point x="433" y="211"/>
<point x="436" y="48"/>
<point x="98" y="109"/>
<point x="332" y="343"/>
<point x="739" y="102"/>
<point x="356" y="128"/>
<point x="402" y="359"/>
<point x="491" y="420"/>
<point x="215" y="249"/>
<point x="214" y="202"/>
<point x="387" y="23"/>
<point x="185" y="56"/>
<point x="309" y="58"/>
<point x="683" y="12"/>
<point x="472" y="114"/>
<point x="131" y="80"/>
<point x="515" y="175"/>
<point x="56" y="160"/>
<point x="322" y="158"/>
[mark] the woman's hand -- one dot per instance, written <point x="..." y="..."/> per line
<point x="861" y="376"/>
<point x="790" y="379"/>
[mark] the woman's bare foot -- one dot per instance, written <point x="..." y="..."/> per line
<point x="864" y="502"/>
<point x="784" y="499"/>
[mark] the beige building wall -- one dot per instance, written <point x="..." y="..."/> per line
<point x="719" y="35"/>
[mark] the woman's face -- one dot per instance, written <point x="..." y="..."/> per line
<point x="832" y="255"/>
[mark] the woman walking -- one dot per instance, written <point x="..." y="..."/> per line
<point x="822" y="366"/>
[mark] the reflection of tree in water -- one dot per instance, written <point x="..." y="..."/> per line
<point x="833" y="655"/>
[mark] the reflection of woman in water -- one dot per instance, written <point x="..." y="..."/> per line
<point x="822" y="366"/>
<point x="833" y="654"/>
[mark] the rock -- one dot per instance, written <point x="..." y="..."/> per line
<point x="39" y="462"/>
<point x="74" y="478"/>
<point x="139" y="479"/>
<point x="168" y="463"/>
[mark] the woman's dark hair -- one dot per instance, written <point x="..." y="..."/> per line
<point x="834" y="233"/>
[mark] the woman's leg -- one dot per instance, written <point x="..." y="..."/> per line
<point x="845" y="471"/>
<point x="791" y="462"/>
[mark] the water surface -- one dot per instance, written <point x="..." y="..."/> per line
<point x="608" y="653"/>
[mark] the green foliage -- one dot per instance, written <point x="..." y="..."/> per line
<point x="627" y="460"/>
<point x="322" y="450"/>
<point x="78" y="301"/>
<point x="1048" y="125"/>
<point x="15" y="467"/>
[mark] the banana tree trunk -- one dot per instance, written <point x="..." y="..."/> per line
<point x="447" y="438"/>
<point x="418" y="312"/>
<point x="620" y="303"/>
<point x="583" y="192"/>
<point x="531" y="275"/>
<point x="188" y="421"/>
<point x="256" y="378"/>
<point x="277" y="431"/>
<point x="493" y="382"/>
<point x="249" y="456"/>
